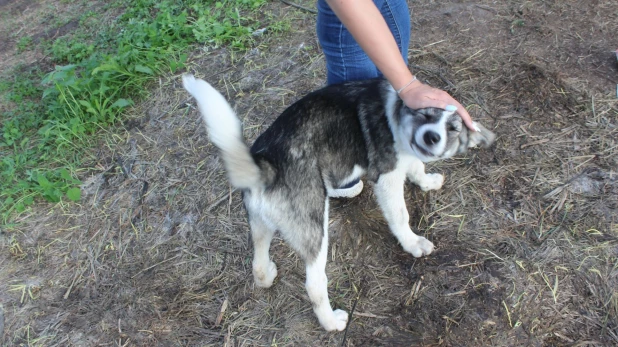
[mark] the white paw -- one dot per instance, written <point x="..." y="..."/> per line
<point x="265" y="276"/>
<point x="338" y="320"/>
<point x="432" y="181"/>
<point x="418" y="247"/>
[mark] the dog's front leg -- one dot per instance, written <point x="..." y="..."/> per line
<point x="317" y="286"/>
<point x="426" y="181"/>
<point x="389" y="192"/>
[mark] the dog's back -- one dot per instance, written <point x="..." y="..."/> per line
<point x="322" y="136"/>
<point x="325" y="135"/>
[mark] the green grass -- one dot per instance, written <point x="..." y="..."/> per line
<point x="53" y="115"/>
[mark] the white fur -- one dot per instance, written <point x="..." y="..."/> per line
<point x="264" y="270"/>
<point x="317" y="287"/>
<point x="476" y="137"/>
<point x="389" y="188"/>
<point x="416" y="174"/>
<point x="399" y="132"/>
<point x="439" y="128"/>
<point x="225" y="132"/>
<point x="389" y="193"/>
<point x="346" y="193"/>
<point x="351" y="192"/>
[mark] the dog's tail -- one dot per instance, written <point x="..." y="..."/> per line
<point x="225" y="132"/>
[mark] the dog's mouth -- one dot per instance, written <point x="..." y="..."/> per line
<point x="421" y="151"/>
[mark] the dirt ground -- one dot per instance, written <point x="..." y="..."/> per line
<point x="158" y="252"/>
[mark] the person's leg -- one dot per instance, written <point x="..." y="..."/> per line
<point x="345" y="59"/>
<point x="397" y="17"/>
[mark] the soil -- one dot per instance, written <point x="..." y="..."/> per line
<point x="158" y="252"/>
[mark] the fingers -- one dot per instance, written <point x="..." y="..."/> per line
<point x="465" y="116"/>
<point x="425" y="96"/>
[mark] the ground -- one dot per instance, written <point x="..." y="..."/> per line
<point x="158" y="250"/>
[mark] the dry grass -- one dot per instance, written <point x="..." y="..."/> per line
<point x="158" y="252"/>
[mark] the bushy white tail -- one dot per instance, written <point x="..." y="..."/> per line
<point x="225" y="132"/>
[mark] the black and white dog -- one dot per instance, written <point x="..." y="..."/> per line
<point x="320" y="147"/>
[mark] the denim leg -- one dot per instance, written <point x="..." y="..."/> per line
<point x="345" y="59"/>
<point x="397" y="16"/>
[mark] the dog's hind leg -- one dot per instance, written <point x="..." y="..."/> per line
<point x="389" y="191"/>
<point x="317" y="285"/>
<point x="264" y="269"/>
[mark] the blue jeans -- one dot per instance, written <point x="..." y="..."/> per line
<point x="345" y="59"/>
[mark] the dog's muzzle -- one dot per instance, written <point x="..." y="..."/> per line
<point x="431" y="138"/>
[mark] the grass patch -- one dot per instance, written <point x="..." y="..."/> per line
<point x="50" y="116"/>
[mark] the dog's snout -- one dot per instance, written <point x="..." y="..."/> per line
<point x="431" y="138"/>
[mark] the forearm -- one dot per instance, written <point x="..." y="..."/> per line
<point x="365" y="22"/>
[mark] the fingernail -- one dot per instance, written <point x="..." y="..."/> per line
<point x="476" y="127"/>
<point x="450" y="108"/>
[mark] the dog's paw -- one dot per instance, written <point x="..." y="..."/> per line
<point x="431" y="181"/>
<point x="419" y="247"/>
<point x="338" y="320"/>
<point x="265" y="276"/>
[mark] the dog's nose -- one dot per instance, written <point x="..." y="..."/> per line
<point x="431" y="138"/>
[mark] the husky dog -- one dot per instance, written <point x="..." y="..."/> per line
<point x="320" y="147"/>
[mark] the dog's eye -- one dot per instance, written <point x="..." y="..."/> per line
<point x="451" y="127"/>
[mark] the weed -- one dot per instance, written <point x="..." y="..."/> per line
<point x="53" y="116"/>
<point x="24" y="44"/>
<point x="27" y="291"/>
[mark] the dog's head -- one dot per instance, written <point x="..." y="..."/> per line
<point x="435" y="134"/>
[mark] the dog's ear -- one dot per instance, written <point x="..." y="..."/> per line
<point x="484" y="137"/>
<point x="469" y="139"/>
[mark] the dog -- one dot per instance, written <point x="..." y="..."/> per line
<point x="319" y="148"/>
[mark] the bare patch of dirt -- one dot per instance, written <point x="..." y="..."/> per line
<point x="158" y="251"/>
<point x="62" y="30"/>
<point x="36" y="20"/>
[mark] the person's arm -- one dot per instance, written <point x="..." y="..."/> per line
<point x="365" y="22"/>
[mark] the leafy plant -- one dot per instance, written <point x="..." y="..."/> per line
<point x="51" y="116"/>
<point x="24" y="43"/>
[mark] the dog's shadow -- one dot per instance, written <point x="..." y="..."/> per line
<point x="358" y="228"/>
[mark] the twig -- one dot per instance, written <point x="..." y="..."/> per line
<point x="562" y="186"/>
<point x="220" y="250"/>
<point x="345" y="333"/>
<point x="91" y="257"/>
<point x="414" y="291"/>
<point x="487" y="8"/>
<point x="157" y="264"/>
<point x="533" y="143"/>
<point x="1" y="320"/>
<point x="218" y="202"/>
<point x="461" y="292"/>
<point x="508" y="314"/>
<point x="299" y="6"/>
<point x="494" y="254"/>
<point x="68" y="292"/>
<point x="221" y="313"/>
<point x="368" y="315"/>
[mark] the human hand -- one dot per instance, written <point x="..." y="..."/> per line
<point x="418" y="95"/>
